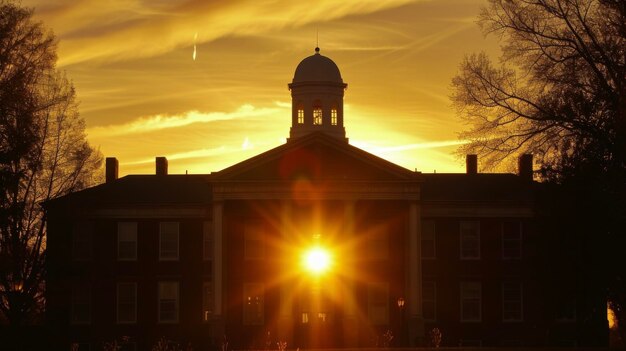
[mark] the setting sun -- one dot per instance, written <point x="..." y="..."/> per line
<point x="317" y="260"/>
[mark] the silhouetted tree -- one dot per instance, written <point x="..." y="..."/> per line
<point x="43" y="154"/>
<point x="560" y="94"/>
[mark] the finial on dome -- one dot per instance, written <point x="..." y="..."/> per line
<point x="317" y="50"/>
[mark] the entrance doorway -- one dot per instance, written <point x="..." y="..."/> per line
<point x="318" y="323"/>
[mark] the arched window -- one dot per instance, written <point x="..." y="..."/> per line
<point x="333" y="116"/>
<point x="300" y="115"/>
<point x="317" y="116"/>
<point x="317" y="113"/>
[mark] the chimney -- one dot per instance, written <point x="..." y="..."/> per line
<point x="161" y="166"/>
<point x="471" y="164"/>
<point x="525" y="167"/>
<point x="111" y="169"/>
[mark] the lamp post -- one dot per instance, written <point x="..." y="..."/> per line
<point x="400" y="303"/>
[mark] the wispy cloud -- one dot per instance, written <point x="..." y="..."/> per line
<point x="117" y="30"/>
<point x="159" y="122"/>
<point x="200" y="153"/>
<point x="143" y="95"/>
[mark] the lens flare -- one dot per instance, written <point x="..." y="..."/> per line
<point x="317" y="260"/>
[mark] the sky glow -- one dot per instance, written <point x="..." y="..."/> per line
<point x="204" y="83"/>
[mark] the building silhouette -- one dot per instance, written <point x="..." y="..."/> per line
<point x="215" y="258"/>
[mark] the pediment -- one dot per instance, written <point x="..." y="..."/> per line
<point x="316" y="157"/>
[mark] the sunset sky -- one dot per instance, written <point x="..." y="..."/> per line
<point x="143" y="95"/>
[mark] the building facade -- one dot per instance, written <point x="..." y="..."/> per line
<point x="217" y="259"/>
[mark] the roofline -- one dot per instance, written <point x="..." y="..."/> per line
<point x="370" y="158"/>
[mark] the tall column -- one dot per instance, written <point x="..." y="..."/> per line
<point x="218" y="269"/>
<point x="415" y="322"/>
<point x="285" y="313"/>
<point x="350" y="320"/>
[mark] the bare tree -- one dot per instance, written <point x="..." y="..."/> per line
<point x="562" y="88"/>
<point x="559" y="92"/>
<point x="43" y="154"/>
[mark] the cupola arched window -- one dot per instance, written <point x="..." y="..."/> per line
<point x="300" y="114"/>
<point x="317" y="113"/>
<point x="333" y="115"/>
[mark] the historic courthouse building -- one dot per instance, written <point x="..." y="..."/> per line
<point x="225" y="257"/>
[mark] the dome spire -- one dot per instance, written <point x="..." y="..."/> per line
<point x="317" y="41"/>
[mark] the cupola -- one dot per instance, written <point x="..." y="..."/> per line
<point x="317" y="98"/>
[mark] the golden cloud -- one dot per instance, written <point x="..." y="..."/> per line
<point x="160" y="122"/>
<point x="117" y="30"/>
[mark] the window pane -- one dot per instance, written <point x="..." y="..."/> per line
<point x="82" y="241"/>
<point x="81" y="304"/>
<point x="168" y="302"/>
<point x="428" y="239"/>
<point x="511" y="302"/>
<point x="470" y="301"/>
<point x="317" y="116"/>
<point x="378" y="246"/>
<point x="300" y="115"/>
<point x="470" y="239"/>
<point x="253" y="304"/>
<point x="126" y="302"/>
<point x="511" y="240"/>
<point x="168" y="241"/>
<point x="378" y="303"/>
<point x="429" y="300"/>
<point x="333" y="116"/>
<point x="253" y="242"/>
<point x="127" y="240"/>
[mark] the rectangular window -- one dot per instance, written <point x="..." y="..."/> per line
<point x="82" y="241"/>
<point x="253" y="304"/>
<point x="207" y="241"/>
<point x="168" y="302"/>
<point x="429" y="301"/>
<point x="333" y="116"/>
<point x="168" y="241"/>
<point x="253" y="242"/>
<point x="317" y="116"/>
<point x="127" y="241"/>
<point x="378" y="246"/>
<point x="512" y="302"/>
<point x="300" y="116"/>
<point x="470" y="240"/>
<point x="378" y="303"/>
<point x="512" y="240"/>
<point x="126" y="303"/>
<point x="207" y="301"/>
<point x="81" y="304"/>
<point x="428" y="239"/>
<point x="471" y="304"/>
